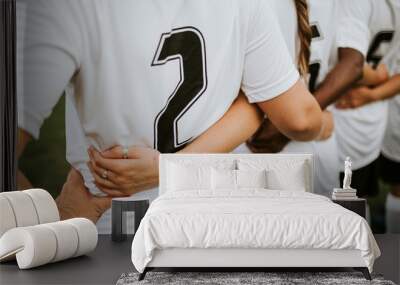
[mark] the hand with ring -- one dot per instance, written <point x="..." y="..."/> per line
<point x="122" y="171"/>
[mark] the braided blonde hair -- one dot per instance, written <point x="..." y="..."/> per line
<point x="305" y="35"/>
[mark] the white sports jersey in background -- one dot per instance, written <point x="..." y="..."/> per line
<point x="323" y="19"/>
<point x="391" y="142"/>
<point x="360" y="131"/>
<point x="151" y="72"/>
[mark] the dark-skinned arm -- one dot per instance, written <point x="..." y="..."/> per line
<point x="347" y="72"/>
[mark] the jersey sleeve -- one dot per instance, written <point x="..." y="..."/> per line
<point x="47" y="58"/>
<point x="269" y="70"/>
<point x="353" y="28"/>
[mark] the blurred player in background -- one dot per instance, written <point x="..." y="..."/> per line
<point x="381" y="82"/>
<point x="327" y="85"/>
<point x="360" y="131"/>
<point x="390" y="157"/>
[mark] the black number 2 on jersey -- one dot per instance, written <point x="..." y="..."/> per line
<point x="186" y="45"/>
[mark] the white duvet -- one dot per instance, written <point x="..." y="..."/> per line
<point x="253" y="218"/>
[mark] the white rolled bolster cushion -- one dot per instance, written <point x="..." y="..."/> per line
<point x="22" y="208"/>
<point x="26" y="208"/>
<point x="45" y="205"/>
<point x="41" y="244"/>
<point x="7" y="218"/>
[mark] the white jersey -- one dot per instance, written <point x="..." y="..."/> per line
<point x="153" y="73"/>
<point x="285" y="12"/>
<point x="365" y="25"/>
<point x="391" y="142"/>
<point x="323" y="20"/>
<point x="323" y="17"/>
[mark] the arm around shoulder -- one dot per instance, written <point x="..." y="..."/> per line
<point x="295" y="113"/>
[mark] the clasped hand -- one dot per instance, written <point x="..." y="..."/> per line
<point x="118" y="176"/>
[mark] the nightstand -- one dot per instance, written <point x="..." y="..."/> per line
<point x="357" y="206"/>
<point x="126" y="214"/>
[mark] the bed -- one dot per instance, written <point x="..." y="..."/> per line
<point x="247" y="211"/>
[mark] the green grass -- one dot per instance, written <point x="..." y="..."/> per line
<point x="43" y="161"/>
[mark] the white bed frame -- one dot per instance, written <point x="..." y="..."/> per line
<point x="252" y="258"/>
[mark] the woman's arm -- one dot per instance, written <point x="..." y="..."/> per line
<point x="361" y="96"/>
<point x="347" y="71"/>
<point x="269" y="139"/>
<point x="295" y="113"/>
<point x="75" y="200"/>
<point x="237" y="125"/>
<point x="373" y="77"/>
<point x="388" y="89"/>
<point x="140" y="171"/>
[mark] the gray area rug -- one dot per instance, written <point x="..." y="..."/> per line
<point x="268" y="278"/>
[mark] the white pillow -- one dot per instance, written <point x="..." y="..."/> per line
<point x="223" y="179"/>
<point x="193" y="173"/>
<point x="251" y="178"/>
<point x="280" y="180"/>
<point x="184" y="177"/>
<point x="281" y="174"/>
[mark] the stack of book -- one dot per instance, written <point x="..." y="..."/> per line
<point x="344" y="194"/>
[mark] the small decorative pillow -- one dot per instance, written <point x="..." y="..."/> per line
<point x="281" y="174"/>
<point x="183" y="177"/>
<point x="251" y="178"/>
<point x="278" y="180"/>
<point x="223" y="179"/>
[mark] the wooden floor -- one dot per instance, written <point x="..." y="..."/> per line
<point x="389" y="262"/>
<point x="106" y="264"/>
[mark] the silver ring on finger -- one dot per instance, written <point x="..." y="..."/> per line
<point x="125" y="152"/>
<point x="104" y="175"/>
